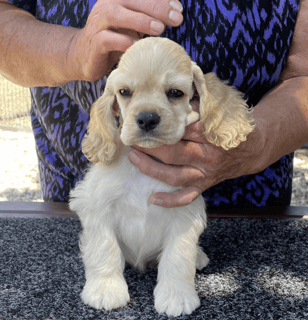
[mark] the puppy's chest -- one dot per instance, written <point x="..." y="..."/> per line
<point x="141" y="226"/>
<point x="138" y="188"/>
<point x="140" y="234"/>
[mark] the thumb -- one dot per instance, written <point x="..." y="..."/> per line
<point x="195" y="132"/>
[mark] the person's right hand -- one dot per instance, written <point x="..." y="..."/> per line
<point x="111" y="28"/>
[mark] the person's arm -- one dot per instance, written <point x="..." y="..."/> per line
<point x="281" y="127"/>
<point x="283" y="113"/>
<point x="284" y="110"/>
<point x="34" y="53"/>
<point x="27" y="57"/>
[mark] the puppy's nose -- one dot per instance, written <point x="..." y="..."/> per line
<point x="147" y="120"/>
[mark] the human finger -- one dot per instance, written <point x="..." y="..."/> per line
<point x="108" y="40"/>
<point x="176" y="176"/>
<point x="141" y="16"/>
<point x="131" y="20"/>
<point x="195" y="132"/>
<point x="179" y="198"/>
<point x="183" y="153"/>
<point x="166" y="11"/>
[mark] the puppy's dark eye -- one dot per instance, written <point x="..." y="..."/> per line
<point x="174" y="94"/>
<point x="126" y="93"/>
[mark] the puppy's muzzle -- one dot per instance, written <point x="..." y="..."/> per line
<point x="147" y="121"/>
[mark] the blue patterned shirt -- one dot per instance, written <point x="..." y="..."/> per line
<point x="244" y="42"/>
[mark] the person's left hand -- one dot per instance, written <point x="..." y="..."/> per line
<point x="195" y="165"/>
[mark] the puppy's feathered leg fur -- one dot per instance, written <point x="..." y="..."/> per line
<point x="104" y="264"/>
<point x="175" y="292"/>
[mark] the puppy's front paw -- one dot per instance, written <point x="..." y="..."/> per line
<point x="175" y="300"/>
<point x="105" y="293"/>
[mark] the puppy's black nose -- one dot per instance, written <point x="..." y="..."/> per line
<point x="147" y="120"/>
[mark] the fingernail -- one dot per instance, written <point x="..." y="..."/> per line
<point x="157" y="26"/>
<point x="157" y="202"/>
<point x="175" y="16"/>
<point x="176" y="5"/>
<point x="133" y="157"/>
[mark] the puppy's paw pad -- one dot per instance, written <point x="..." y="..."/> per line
<point x="106" y="295"/>
<point x="202" y="260"/>
<point x="176" y="302"/>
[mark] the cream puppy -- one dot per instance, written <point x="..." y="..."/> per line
<point x="150" y="91"/>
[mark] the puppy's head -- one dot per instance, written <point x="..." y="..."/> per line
<point x="150" y="91"/>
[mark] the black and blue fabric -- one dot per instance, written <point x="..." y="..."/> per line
<point x="245" y="42"/>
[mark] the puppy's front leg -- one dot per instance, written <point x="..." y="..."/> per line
<point x="175" y="292"/>
<point x="104" y="264"/>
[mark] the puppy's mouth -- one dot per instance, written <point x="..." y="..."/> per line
<point x="155" y="139"/>
<point x="149" y="140"/>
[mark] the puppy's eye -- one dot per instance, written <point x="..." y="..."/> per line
<point x="174" y="94"/>
<point x="126" y="93"/>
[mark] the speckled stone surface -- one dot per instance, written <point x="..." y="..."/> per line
<point x="258" y="270"/>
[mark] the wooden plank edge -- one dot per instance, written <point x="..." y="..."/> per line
<point x="35" y="210"/>
<point x="61" y="209"/>
<point x="277" y="212"/>
<point x="42" y="215"/>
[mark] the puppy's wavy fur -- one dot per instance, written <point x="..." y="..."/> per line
<point x="112" y="202"/>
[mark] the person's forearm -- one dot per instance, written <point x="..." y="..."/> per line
<point x="33" y="53"/>
<point x="282" y="116"/>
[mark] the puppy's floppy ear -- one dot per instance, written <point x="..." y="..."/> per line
<point x="100" y="142"/>
<point x="223" y="111"/>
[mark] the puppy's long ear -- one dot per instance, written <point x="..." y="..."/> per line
<point x="100" y="142"/>
<point x="223" y="111"/>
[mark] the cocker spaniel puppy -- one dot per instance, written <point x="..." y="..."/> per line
<point x="150" y="91"/>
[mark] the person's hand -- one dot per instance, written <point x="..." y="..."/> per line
<point x="281" y="127"/>
<point x="196" y="165"/>
<point x="111" y="28"/>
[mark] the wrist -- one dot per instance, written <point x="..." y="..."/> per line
<point x="72" y="68"/>
<point x="258" y="142"/>
<point x="281" y="121"/>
